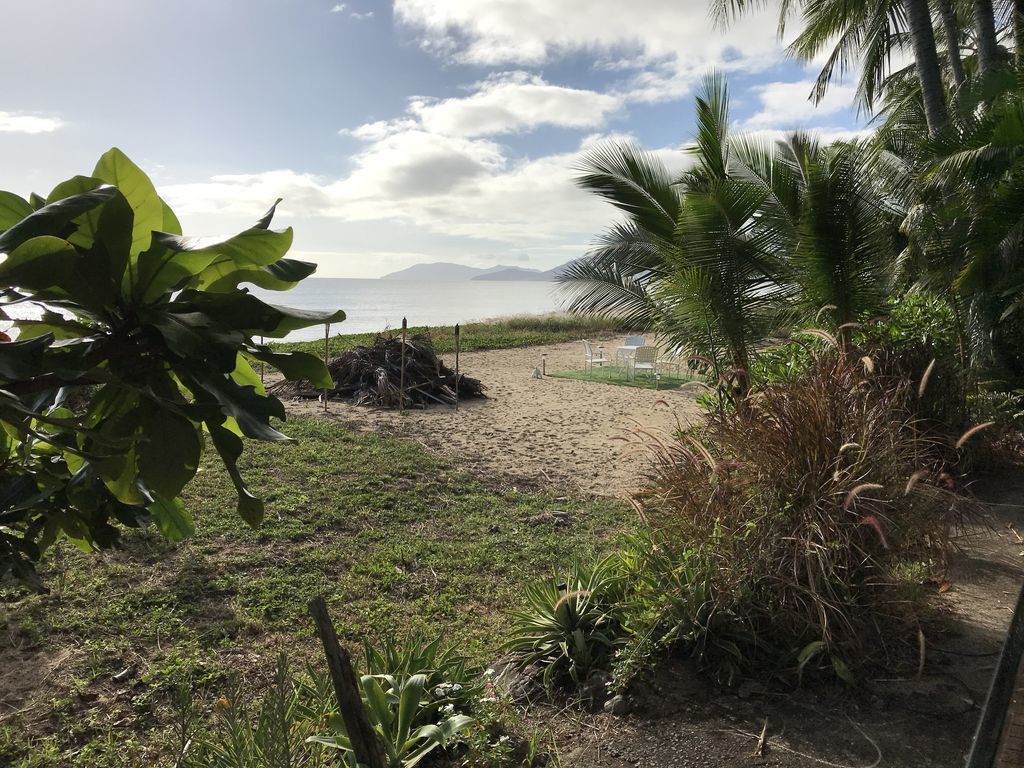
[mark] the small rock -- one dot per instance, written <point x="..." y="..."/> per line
<point x="617" y="706"/>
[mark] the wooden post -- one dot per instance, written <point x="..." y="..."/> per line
<point x="263" y="367"/>
<point x="544" y="364"/>
<point x="366" y="747"/>
<point x="401" y="380"/>
<point x="458" y="340"/>
<point x="327" y="350"/>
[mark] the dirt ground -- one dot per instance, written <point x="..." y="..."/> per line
<point x="679" y="721"/>
<point x="546" y="431"/>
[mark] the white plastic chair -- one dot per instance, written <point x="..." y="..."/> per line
<point x="590" y="359"/>
<point x="646" y="359"/>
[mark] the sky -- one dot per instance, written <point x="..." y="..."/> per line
<point x="396" y="132"/>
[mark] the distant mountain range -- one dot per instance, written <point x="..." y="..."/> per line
<point x="442" y="271"/>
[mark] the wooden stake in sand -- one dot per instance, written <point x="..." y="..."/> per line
<point x="327" y="357"/>
<point x="457" y="344"/>
<point x="401" y="380"/>
<point x="366" y="747"/>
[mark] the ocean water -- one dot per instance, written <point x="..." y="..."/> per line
<point x="374" y="305"/>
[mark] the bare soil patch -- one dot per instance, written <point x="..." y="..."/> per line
<point x="546" y="431"/>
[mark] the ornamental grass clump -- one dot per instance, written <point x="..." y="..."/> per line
<point x="811" y="498"/>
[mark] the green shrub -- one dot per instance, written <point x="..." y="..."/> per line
<point x="418" y="697"/>
<point x="571" y="626"/>
<point x="394" y="705"/>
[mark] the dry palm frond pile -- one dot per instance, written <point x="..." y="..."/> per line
<point x="372" y="375"/>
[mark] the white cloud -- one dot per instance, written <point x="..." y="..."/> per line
<point x="506" y="102"/>
<point x="19" y="122"/>
<point x="787" y="105"/>
<point x="446" y="185"/>
<point x="514" y="101"/>
<point x="673" y="42"/>
<point x="361" y="16"/>
<point x="339" y="8"/>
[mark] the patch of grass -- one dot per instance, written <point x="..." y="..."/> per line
<point x="506" y="333"/>
<point x="617" y="376"/>
<point x="396" y="538"/>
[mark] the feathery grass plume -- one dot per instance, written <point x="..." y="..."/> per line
<point x="924" y="379"/>
<point x="790" y="563"/>
<point x="819" y="334"/>
<point x="868" y="363"/>
<point x="823" y="310"/>
<point x="972" y="432"/>
<point x="914" y="479"/>
<point x="572" y="596"/>
<point x="850" y="326"/>
<point x="874" y="522"/>
<point x="856" y="492"/>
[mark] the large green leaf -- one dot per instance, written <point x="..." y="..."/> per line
<point x="171" y="224"/>
<point x="86" y="224"/>
<point x="54" y="218"/>
<point x="282" y="275"/>
<point x="160" y="269"/>
<point x="229" y="446"/>
<point x="23" y="359"/>
<point x="115" y="168"/>
<point x="169" y="451"/>
<point x="12" y="209"/>
<point x="244" y="311"/>
<point x="245" y="405"/>
<point x="296" y="365"/>
<point x="39" y="263"/>
<point x="251" y="248"/>
<point x="172" y="518"/>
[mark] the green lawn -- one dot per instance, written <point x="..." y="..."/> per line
<point x="526" y="331"/>
<point x="395" y="537"/>
<point x="616" y="375"/>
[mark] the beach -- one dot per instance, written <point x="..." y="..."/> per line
<point x="579" y="435"/>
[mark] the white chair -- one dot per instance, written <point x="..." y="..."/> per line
<point x="673" y="358"/>
<point x="591" y="359"/>
<point x="629" y="345"/>
<point x="646" y="359"/>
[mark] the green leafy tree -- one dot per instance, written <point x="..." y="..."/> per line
<point x="133" y="355"/>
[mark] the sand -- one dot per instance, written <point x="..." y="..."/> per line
<point x="556" y="432"/>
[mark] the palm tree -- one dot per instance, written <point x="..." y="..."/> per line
<point x="952" y="32"/>
<point x="985" y="35"/>
<point x="690" y="258"/>
<point x="845" y="244"/>
<point x="755" y="234"/>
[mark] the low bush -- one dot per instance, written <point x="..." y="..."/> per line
<point x="572" y="625"/>
<point x="808" y="501"/>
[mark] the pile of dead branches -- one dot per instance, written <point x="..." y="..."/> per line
<point x="372" y="376"/>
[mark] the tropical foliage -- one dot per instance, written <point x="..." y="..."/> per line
<point x="756" y="237"/>
<point x="133" y="351"/>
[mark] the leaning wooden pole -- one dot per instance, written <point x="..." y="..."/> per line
<point x="457" y="345"/>
<point x="366" y="747"/>
<point x="401" y="379"/>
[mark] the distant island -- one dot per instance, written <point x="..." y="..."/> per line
<point x="442" y="271"/>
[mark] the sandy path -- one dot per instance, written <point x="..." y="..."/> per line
<point x="550" y="431"/>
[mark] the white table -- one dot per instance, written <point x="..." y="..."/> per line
<point x="625" y="353"/>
